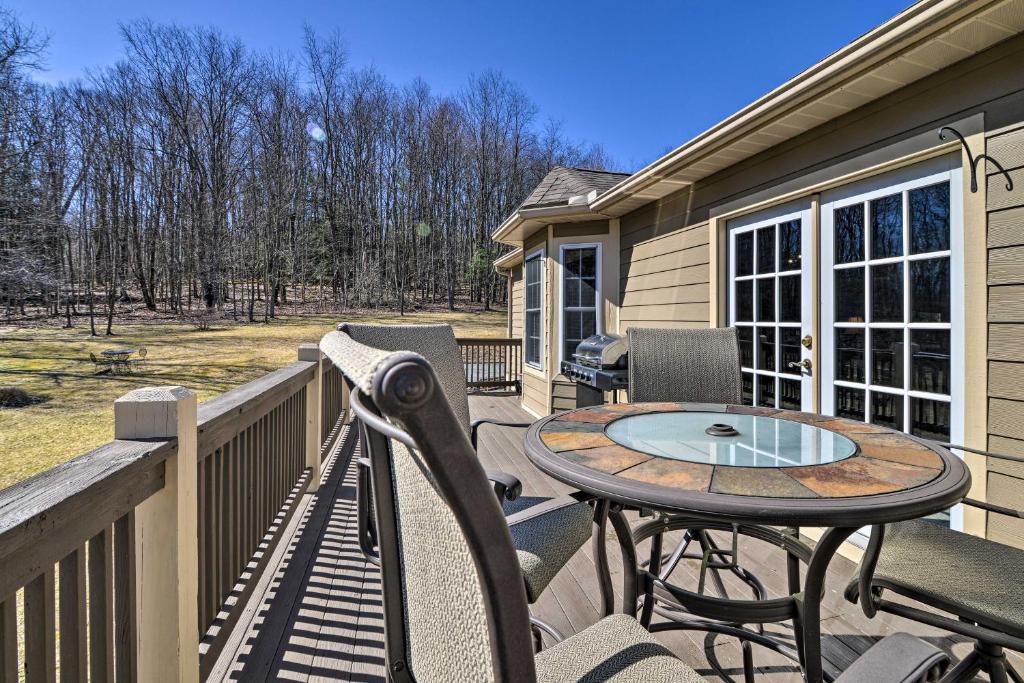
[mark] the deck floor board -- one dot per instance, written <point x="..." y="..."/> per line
<point x="317" y="614"/>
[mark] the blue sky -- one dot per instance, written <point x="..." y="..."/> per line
<point x="639" y="77"/>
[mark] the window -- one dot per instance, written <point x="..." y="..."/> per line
<point x="534" y="307"/>
<point x="581" y="295"/>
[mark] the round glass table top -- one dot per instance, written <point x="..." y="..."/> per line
<point x="730" y="439"/>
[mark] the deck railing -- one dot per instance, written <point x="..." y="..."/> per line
<point x="492" y="363"/>
<point x="131" y="562"/>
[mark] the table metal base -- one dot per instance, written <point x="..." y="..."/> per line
<point x="647" y="591"/>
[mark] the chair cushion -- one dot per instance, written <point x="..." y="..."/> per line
<point x="616" y="649"/>
<point x="546" y="542"/>
<point x="954" y="572"/>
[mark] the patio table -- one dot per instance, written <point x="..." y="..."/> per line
<point x="119" y="358"/>
<point x="747" y="470"/>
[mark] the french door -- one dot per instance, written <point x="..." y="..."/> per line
<point x="770" y="306"/>
<point x="889" y="330"/>
<point x="892" y="303"/>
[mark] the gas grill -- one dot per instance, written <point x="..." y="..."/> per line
<point x="600" y="364"/>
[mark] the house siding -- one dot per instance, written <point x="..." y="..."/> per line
<point x="516" y="303"/>
<point x="1005" y="482"/>
<point x="667" y="276"/>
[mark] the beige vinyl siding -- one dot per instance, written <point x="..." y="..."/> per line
<point x="1006" y="333"/>
<point x="535" y="393"/>
<point x="563" y="394"/>
<point x="516" y="303"/>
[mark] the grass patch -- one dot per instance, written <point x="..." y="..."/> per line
<point x="78" y="414"/>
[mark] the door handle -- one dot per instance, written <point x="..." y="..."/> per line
<point x="805" y="364"/>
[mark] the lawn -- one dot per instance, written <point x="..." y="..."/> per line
<point x="77" y="414"/>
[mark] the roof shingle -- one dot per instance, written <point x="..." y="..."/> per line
<point x="561" y="184"/>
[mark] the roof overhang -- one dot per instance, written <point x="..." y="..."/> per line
<point x="509" y="260"/>
<point x="927" y="37"/>
<point x="524" y="222"/>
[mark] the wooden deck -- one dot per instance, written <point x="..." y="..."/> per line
<point x="316" y="614"/>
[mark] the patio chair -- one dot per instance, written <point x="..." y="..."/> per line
<point x="701" y="366"/>
<point x="974" y="579"/>
<point x="564" y="522"/>
<point x="454" y="599"/>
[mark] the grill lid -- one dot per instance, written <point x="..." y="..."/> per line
<point x="602" y="351"/>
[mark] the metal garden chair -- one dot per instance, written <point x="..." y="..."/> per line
<point x="546" y="538"/>
<point x="702" y="366"/>
<point x="974" y="579"/>
<point x="455" y="602"/>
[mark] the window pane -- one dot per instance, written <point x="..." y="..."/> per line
<point x="929" y="291"/>
<point x="789" y="245"/>
<point x="572" y="292"/>
<point x="887" y="226"/>
<point x="588" y="262"/>
<point x="766" y="299"/>
<point x="850" y="403"/>
<point x="747" y="389"/>
<point x="766" y="348"/>
<point x="588" y="324"/>
<point x="929" y="361"/>
<point x="887" y="358"/>
<point x="887" y="293"/>
<point x="766" y="250"/>
<point x="849" y="230"/>
<point x="745" y="254"/>
<point x="850" y="295"/>
<point x="766" y="391"/>
<point x="789" y="394"/>
<point x="745" y="300"/>
<point x="850" y="355"/>
<point x="572" y="262"/>
<point x="887" y="410"/>
<point x="746" y="342"/>
<point x="570" y="348"/>
<point x="929" y="219"/>
<point x="789" y="349"/>
<point x="587" y="292"/>
<point x="929" y="419"/>
<point x="571" y="325"/>
<point x="789" y="299"/>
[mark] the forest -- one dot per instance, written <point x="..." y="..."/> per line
<point x="198" y="178"/>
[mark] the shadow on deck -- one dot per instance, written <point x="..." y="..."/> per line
<point x="316" y="614"/>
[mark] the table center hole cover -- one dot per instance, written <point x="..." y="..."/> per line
<point x="759" y="441"/>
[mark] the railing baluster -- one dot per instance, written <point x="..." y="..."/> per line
<point x="101" y="607"/>
<point x="72" y="618"/>
<point x="9" y="639"/>
<point x="40" y="641"/>
<point x="126" y="628"/>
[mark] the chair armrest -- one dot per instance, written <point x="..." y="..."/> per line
<point x="476" y="424"/>
<point x="545" y="507"/>
<point x="899" y="658"/>
<point x="505" y="485"/>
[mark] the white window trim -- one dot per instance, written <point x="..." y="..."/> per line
<point x="536" y="253"/>
<point x="598" y="293"/>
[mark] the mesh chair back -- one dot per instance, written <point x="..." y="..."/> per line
<point x="436" y="343"/>
<point x="684" y="365"/>
<point x="446" y="553"/>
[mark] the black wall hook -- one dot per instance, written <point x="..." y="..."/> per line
<point x="975" y="160"/>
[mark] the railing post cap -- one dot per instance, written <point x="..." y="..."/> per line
<point x="309" y="352"/>
<point x="169" y="394"/>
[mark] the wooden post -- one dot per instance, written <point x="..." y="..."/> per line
<point x="311" y="353"/>
<point x="166" y="537"/>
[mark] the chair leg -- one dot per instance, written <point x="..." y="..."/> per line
<point x="539" y="627"/>
<point x="1012" y="673"/>
<point x="965" y="669"/>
